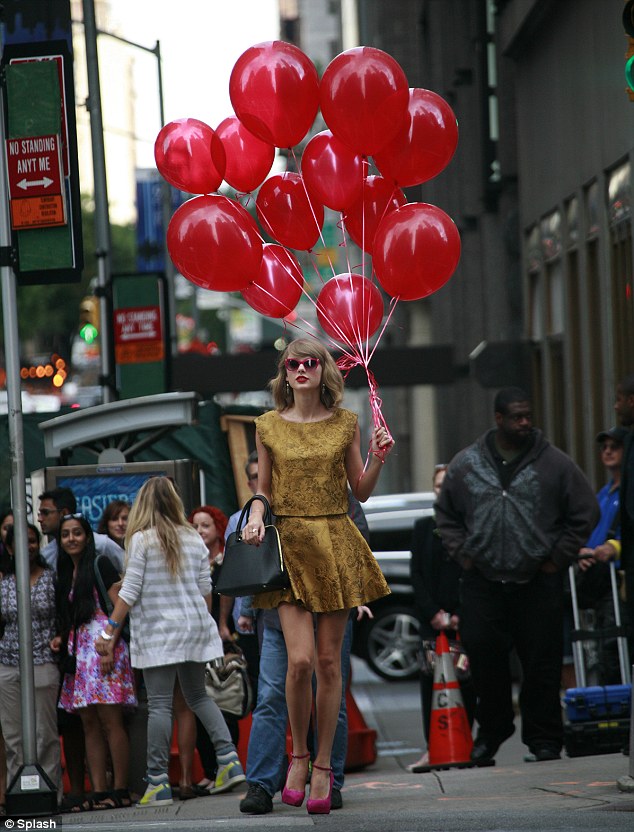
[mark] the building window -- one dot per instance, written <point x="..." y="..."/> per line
<point x="572" y="222"/>
<point x="573" y="332"/>
<point x="619" y="194"/>
<point x="535" y="307"/>
<point x="622" y="302"/>
<point x="592" y="209"/>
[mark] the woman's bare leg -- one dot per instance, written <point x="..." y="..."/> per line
<point x="96" y="749"/>
<point x="111" y="718"/>
<point x="299" y="636"/>
<point x="330" y="631"/>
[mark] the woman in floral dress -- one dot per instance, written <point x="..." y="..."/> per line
<point x="101" y="686"/>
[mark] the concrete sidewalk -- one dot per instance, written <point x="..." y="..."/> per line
<point x="387" y="790"/>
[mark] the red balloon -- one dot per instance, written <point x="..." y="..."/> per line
<point x="277" y="289"/>
<point x="425" y="143"/>
<point x="364" y="95"/>
<point x="274" y="89"/>
<point x="215" y="243"/>
<point x="249" y="159"/>
<point x="362" y="219"/>
<point x="416" y="250"/>
<point x="287" y="212"/>
<point x="190" y="156"/>
<point x="333" y="173"/>
<point x="350" y="308"/>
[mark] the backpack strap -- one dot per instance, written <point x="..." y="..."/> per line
<point x="106" y="604"/>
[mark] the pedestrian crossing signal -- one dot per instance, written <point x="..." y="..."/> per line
<point x="88" y="333"/>
<point x="89" y="319"/>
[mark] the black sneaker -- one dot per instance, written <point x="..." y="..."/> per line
<point x="336" y="800"/>
<point x="257" y="801"/>
<point x="542" y="754"/>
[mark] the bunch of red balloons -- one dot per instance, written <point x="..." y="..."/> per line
<point x="369" y="109"/>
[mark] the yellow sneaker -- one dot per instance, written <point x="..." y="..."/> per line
<point x="228" y="777"/>
<point x="158" y="793"/>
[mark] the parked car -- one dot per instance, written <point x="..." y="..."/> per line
<point x="389" y="642"/>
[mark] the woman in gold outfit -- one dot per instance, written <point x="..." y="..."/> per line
<point x="308" y="453"/>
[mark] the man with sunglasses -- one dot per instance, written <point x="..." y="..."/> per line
<point x="594" y="588"/>
<point x="54" y="505"/>
<point x="514" y="512"/>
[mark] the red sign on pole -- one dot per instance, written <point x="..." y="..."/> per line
<point x="34" y="167"/>
<point x="138" y="335"/>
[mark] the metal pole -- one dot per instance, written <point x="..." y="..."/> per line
<point x="166" y="192"/>
<point x="577" y="646"/>
<point x="18" y="476"/>
<point x="102" y="217"/>
<point x="170" y="271"/>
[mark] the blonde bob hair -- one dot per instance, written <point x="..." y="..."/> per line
<point x="157" y="506"/>
<point x="331" y="393"/>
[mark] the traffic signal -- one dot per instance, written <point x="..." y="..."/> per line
<point x="89" y="319"/>
<point x="628" y="25"/>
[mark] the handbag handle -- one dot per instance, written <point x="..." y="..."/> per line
<point x="244" y="514"/>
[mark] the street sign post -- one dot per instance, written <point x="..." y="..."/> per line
<point x="140" y="334"/>
<point x="41" y="162"/>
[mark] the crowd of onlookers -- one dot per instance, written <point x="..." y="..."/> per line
<point x="513" y="514"/>
<point x="85" y="703"/>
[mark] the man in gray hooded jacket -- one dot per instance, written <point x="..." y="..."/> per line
<point x="514" y="512"/>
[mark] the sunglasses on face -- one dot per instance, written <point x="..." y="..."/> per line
<point x="46" y="511"/>
<point x="610" y="446"/>
<point x="294" y="364"/>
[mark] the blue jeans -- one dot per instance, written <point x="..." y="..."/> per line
<point x="267" y="741"/>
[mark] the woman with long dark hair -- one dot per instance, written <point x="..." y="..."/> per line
<point x="98" y="687"/>
<point x="45" y="670"/>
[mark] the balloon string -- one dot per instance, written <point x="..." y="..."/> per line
<point x="345" y="364"/>
<point x="393" y="302"/>
<point x="312" y="210"/>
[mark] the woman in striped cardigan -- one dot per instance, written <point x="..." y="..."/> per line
<point x="167" y="590"/>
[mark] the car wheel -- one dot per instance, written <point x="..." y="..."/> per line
<point x="392" y="643"/>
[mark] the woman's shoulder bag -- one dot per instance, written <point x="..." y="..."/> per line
<point x="248" y="569"/>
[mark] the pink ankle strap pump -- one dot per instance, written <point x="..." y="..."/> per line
<point x="321" y="805"/>
<point x="293" y="797"/>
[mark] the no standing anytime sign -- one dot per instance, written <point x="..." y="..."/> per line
<point x="34" y="166"/>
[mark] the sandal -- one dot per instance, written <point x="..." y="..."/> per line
<point x="122" y="798"/>
<point x="101" y="801"/>
<point x="74" y="803"/>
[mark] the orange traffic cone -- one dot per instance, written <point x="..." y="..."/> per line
<point x="450" y="740"/>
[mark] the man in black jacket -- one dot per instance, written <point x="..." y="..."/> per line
<point x="514" y="512"/>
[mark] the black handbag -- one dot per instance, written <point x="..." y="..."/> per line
<point x="248" y="569"/>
